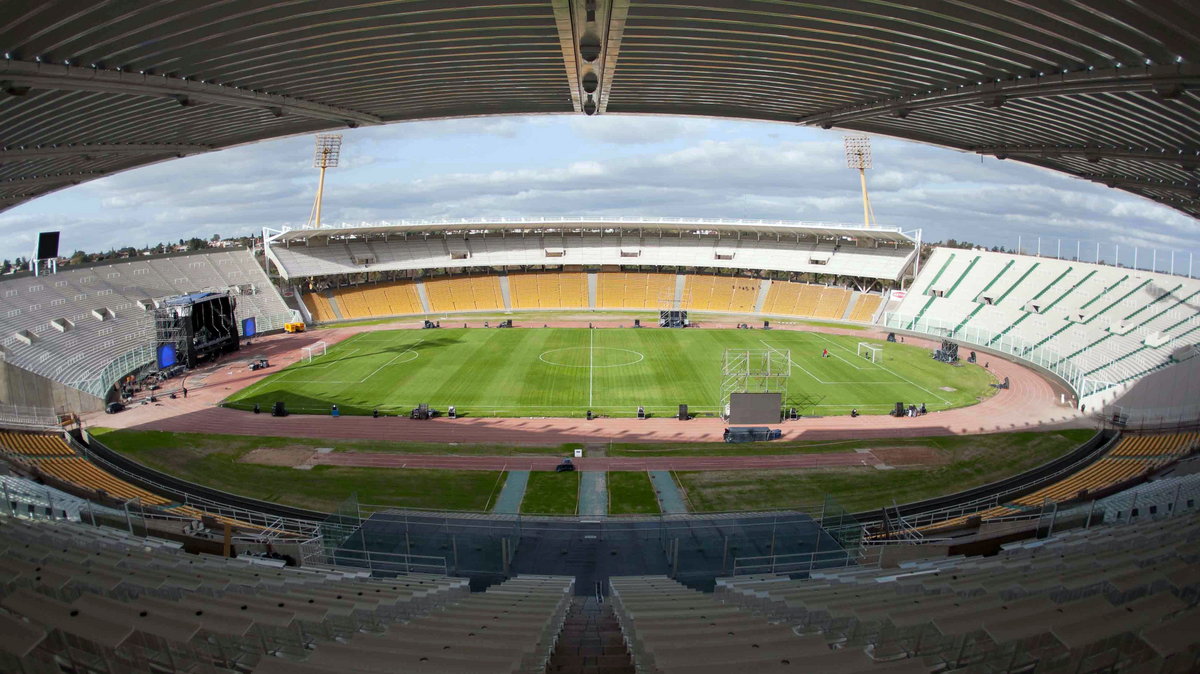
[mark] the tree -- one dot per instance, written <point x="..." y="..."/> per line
<point x="196" y="243"/>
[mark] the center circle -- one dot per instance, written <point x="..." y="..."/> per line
<point x="591" y="356"/>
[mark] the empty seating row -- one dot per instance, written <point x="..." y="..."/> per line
<point x="511" y="627"/>
<point x="634" y="290"/>
<point x="41" y="444"/>
<point x="464" y="293"/>
<point x="96" y="599"/>
<point x="1117" y="598"/>
<point x="1167" y="444"/>
<point x="671" y="628"/>
<point x="548" y="290"/>
<point x="1132" y="456"/>
<point x="85" y="474"/>
<point x="71" y="325"/>
<point x="1098" y="326"/>
<point x="786" y="298"/>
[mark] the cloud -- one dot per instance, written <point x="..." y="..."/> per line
<point x="652" y="166"/>
<point x="638" y="129"/>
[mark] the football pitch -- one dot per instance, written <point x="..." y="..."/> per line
<point x="563" y="372"/>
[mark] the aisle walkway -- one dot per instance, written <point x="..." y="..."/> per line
<point x="509" y="500"/>
<point x="670" y="497"/>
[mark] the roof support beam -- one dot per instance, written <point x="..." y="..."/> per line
<point x="23" y="184"/>
<point x="21" y="76"/>
<point x="1166" y="81"/>
<point x="1191" y="190"/>
<point x="86" y="151"/>
<point x="590" y="32"/>
<point x="1187" y="157"/>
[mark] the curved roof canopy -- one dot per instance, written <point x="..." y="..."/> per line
<point x="1107" y="90"/>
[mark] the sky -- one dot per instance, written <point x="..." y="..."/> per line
<point x="605" y="165"/>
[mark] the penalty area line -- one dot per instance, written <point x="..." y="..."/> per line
<point x="410" y="348"/>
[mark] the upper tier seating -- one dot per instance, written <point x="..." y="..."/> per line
<point x="70" y="326"/>
<point x="1099" y="327"/>
<point x="321" y="258"/>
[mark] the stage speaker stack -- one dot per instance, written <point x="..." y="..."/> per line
<point x="766" y="325"/>
<point x="683" y="413"/>
<point x="641" y="413"/>
<point x="899" y="411"/>
<point x="589" y="415"/>
<point x="279" y="410"/>
<point x="637" y="322"/>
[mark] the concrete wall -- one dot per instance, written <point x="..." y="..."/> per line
<point x="22" y="387"/>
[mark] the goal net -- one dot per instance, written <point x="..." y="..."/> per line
<point x="317" y="350"/>
<point x="871" y="352"/>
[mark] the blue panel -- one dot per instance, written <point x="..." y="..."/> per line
<point x="249" y="327"/>
<point x="166" y="356"/>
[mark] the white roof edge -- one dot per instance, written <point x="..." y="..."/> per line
<point x="601" y="222"/>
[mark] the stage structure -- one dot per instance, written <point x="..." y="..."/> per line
<point x="192" y="328"/>
<point x="672" y="309"/>
<point x="754" y="384"/>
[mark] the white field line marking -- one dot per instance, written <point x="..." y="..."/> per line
<point x="410" y="348"/>
<point x="591" y="357"/>
<point x="817" y="378"/>
<point x="906" y="379"/>
<point x="325" y="362"/>
<point x="836" y="345"/>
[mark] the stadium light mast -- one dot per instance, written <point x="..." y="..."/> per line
<point x="858" y="156"/>
<point x="326" y="154"/>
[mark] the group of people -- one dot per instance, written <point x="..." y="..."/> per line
<point x="914" y="411"/>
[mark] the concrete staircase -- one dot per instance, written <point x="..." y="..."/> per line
<point x="590" y="641"/>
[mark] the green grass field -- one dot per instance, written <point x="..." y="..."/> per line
<point x="563" y="372"/>
<point x="964" y="462"/>
<point x="216" y="461"/>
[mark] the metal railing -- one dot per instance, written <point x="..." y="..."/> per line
<point x="1026" y="350"/>
<point x="28" y="417"/>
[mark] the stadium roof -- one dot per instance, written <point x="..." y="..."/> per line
<point x="1107" y="90"/>
<point x="602" y="224"/>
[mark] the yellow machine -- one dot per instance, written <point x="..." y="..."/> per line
<point x="293" y="327"/>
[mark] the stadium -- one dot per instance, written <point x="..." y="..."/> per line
<point x="591" y="443"/>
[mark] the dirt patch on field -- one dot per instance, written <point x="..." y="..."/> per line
<point x="911" y="456"/>
<point x="278" y="456"/>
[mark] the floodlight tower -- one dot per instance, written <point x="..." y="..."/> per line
<point x="328" y="150"/>
<point x="858" y="156"/>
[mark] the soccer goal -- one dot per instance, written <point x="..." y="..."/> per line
<point x="871" y="352"/>
<point x="307" y="353"/>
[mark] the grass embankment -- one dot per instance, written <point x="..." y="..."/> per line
<point x="213" y="461"/>
<point x="551" y="494"/>
<point x="966" y="461"/>
<point x="631" y="493"/>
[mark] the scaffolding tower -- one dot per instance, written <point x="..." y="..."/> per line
<point x="754" y="371"/>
